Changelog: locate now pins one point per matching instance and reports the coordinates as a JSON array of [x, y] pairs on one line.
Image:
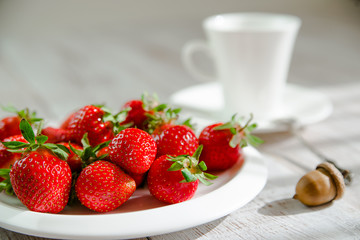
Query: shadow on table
[[288, 206]]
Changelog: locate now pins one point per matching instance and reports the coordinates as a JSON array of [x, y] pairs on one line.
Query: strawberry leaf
[[253, 140], [210, 176], [197, 152], [85, 141], [176, 166], [6, 184], [188, 176], [251, 127], [76, 151], [27, 131], [10, 109], [58, 150], [89, 154], [41, 139], [62, 147], [203, 180], [191, 168], [24, 113], [101, 146], [60, 153], [160, 107], [202, 166], [102, 156], [15, 145], [188, 123], [4, 172], [227, 125]]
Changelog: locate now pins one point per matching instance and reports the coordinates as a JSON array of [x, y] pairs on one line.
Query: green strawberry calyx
[[162, 115], [241, 134], [35, 142], [115, 119], [6, 184], [89, 154], [23, 113], [150, 103], [191, 168]]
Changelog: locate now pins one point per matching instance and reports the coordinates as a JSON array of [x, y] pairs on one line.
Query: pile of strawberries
[[100, 158]]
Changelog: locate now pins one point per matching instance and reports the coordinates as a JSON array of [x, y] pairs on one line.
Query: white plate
[[204, 102], [142, 215]]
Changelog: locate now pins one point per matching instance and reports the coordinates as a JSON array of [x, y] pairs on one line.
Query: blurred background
[[56, 56]]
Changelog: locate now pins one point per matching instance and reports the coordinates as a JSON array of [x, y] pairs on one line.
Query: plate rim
[[254, 160]]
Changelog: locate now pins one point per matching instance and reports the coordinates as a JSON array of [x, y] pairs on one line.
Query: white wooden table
[[58, 69]]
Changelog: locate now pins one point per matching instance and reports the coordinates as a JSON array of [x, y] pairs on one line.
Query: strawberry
[[103, 153], [139, 178], [175, 140], [140, 110], [81, 157], [39, 179], [87, 154], [9, 126], [102, 186], [56, 135], [89, 119], [176, 179], [223, 143], [7, 159], [136, 115], [148, 113], [74, 161], [133, 149]]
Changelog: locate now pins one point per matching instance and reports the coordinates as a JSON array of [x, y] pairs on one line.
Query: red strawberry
[[41, 181], [104, 152], [138, 178], [102, 186], [89, 119], [147, 113], [133, 149], [176, 179], [73, 159], [175, 140], [8, 158], [223, 144], [9, 126], [136, 114], [56, 135]]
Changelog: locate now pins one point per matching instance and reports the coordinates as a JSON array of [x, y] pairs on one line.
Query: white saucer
[[203, 103]]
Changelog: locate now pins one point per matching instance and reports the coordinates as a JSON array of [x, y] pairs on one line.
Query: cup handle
[[188, 51]]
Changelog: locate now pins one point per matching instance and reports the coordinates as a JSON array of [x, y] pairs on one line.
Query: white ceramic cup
[[251, 54]]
